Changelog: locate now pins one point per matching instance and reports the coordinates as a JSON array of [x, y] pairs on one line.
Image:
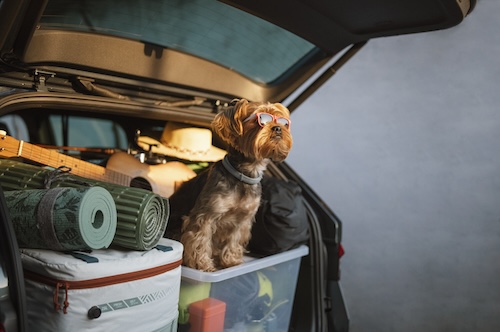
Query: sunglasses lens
[[265, 118], [283, 121]]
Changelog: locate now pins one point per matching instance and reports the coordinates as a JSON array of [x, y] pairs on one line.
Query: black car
[[89, 78]]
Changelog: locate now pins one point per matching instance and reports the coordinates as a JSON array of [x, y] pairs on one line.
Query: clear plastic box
[[258, 293]]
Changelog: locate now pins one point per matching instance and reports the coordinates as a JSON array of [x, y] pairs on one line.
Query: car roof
[[259, 50]]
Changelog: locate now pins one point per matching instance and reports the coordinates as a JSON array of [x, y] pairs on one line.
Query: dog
[[213, 213]]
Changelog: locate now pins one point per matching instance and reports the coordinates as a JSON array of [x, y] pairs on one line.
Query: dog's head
[[258, 130]]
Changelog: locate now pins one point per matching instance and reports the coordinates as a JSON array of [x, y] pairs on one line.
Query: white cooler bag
[[104, 290]]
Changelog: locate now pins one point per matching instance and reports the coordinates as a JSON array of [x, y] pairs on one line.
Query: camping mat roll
[[62, 219], [142, 215]]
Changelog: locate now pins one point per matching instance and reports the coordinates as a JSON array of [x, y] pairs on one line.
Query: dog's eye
[[265, 118], [283, 121]]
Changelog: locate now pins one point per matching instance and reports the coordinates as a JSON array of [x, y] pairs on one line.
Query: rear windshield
[[205, 28]]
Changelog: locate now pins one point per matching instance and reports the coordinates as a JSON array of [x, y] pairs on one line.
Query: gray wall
[[403, 144]]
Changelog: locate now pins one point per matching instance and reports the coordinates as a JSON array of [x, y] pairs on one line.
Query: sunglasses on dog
[[265, 118]]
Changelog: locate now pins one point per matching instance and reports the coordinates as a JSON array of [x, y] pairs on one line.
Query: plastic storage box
[[258, 294]]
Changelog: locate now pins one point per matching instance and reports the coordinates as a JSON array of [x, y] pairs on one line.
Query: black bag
[[281, 221]]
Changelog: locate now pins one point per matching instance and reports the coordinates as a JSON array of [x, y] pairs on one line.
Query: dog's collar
[[240, 176]]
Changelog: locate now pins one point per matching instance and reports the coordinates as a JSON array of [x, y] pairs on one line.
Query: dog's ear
[[228, 123]]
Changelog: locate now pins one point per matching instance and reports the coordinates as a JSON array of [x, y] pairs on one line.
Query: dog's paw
[[205, 264], [230, 260]]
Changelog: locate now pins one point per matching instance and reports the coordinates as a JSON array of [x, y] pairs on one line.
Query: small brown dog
[[218, 206]]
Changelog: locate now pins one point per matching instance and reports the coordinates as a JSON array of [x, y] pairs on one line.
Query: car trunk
[[58, 67]]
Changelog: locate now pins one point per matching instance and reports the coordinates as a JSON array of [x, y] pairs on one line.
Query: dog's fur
[[215, 208]]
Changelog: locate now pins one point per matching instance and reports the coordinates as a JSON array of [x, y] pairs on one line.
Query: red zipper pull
[[66, 303], [57, 306]]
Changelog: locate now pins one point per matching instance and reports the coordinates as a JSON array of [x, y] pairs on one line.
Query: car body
[[117, 68]]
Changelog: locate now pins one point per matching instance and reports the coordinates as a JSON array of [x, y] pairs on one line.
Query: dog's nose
[[277, 130]]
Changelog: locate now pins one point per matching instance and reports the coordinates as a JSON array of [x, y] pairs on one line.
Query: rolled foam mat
[[142, 215], [63, 219]]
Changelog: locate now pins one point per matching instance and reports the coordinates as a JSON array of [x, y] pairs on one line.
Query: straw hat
[[183, 142]]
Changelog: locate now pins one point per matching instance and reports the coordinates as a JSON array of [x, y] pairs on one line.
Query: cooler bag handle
[[84, 257]]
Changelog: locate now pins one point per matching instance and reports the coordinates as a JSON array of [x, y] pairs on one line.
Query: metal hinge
[[328, 304], [40, 79]]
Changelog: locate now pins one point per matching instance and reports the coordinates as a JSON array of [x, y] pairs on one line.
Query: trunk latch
[[41, 78]]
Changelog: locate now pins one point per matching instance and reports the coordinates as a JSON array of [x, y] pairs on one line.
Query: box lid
[[251, 264]]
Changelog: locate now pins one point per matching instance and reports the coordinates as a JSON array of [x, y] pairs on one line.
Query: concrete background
[[403, 145]]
